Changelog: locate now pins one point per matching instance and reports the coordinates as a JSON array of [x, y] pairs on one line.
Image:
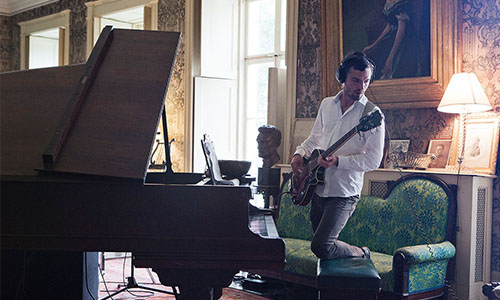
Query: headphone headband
[[351, 60]]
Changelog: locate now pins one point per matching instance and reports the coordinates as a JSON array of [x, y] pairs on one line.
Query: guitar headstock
[[370, 121]]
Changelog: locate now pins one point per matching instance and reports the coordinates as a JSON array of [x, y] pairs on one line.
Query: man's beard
[[354, 96]]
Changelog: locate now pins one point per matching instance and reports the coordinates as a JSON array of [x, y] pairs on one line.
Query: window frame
[[99, 8], [57, 20], [246, 60]]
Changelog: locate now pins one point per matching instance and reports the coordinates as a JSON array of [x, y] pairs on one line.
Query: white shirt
[[360, 154]]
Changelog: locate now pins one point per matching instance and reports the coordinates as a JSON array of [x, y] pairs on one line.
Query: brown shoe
[[366, 252]]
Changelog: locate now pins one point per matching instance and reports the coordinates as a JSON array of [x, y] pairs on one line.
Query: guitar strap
[[368, 108]]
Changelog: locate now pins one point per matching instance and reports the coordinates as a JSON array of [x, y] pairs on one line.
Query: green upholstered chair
[[410, 233]]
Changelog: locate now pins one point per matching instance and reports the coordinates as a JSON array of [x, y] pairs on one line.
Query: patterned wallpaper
[[481, 54], [171, 15], [308, 59], [170, 18]]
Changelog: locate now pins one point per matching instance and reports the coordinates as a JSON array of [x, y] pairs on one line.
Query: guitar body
[[302, 186]]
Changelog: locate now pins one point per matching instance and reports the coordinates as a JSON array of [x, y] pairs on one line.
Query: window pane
[[256, 109], [283, 26], [260, 26], [282, 62], [256, 89], [44, 48], [252, 154], [132, 18]]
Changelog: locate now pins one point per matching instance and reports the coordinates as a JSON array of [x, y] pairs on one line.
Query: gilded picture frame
[[481, 143], [417, 92]]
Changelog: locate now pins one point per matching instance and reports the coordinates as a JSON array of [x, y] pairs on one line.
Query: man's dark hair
[[359, 61]]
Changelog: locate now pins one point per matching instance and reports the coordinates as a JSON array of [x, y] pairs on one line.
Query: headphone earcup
[[340, 74]]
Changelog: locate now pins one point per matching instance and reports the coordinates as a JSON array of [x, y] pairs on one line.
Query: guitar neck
[[314, 163], [340, 142]]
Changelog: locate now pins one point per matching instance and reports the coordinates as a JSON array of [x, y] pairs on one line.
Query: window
[[256, 30], [126, 14], [45, 41], [265, 28]]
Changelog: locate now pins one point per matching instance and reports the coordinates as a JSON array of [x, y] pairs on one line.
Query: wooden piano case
[[75, 147]]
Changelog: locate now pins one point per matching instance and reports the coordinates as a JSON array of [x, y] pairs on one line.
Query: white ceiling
[[12, 7], [132, 15]]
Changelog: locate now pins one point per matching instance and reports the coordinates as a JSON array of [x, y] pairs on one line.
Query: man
[[335, 200], [268, 141]]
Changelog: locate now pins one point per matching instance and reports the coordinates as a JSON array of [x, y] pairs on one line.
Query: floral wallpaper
[[170, 17], [480, 54], [308, 59]]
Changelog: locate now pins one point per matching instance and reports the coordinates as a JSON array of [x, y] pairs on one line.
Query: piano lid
[[105, 125]]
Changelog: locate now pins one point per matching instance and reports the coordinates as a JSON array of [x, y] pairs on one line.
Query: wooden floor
[[117, 269]]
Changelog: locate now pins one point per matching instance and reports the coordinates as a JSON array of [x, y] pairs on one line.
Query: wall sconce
[[464, 95]]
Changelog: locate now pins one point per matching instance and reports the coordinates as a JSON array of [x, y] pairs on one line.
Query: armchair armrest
[[425, 253], [421, 268]]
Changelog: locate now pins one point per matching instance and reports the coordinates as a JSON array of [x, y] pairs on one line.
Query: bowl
[[234, 168]]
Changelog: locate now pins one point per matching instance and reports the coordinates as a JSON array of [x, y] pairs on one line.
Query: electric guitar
[[302, 185]]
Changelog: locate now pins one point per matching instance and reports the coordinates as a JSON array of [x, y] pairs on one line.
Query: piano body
[[75, 147]]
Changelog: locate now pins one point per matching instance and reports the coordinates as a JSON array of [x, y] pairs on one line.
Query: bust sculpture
[[268, 140]]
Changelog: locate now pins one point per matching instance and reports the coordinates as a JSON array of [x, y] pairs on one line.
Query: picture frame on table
[[480, 146], [395, 150], [441, 149], [399, 146]]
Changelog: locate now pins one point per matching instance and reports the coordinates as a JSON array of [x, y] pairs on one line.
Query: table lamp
[[464, 95]]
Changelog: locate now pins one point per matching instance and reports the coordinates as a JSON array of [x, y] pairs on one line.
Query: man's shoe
[[366, 252]]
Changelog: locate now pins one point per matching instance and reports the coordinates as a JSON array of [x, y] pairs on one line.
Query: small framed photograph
[[399, 146], [441, 149], [481, 143]]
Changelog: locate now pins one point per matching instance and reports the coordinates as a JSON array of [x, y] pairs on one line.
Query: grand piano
[[75, 146]]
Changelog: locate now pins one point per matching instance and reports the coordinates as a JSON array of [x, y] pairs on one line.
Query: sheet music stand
[[213, 162]]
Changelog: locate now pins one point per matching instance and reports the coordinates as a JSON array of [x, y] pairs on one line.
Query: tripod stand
[[132, 284]]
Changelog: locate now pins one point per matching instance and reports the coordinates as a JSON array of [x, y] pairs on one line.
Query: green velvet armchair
[[410, 232]]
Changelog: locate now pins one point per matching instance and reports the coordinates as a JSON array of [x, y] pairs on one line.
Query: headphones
[[356, 59]]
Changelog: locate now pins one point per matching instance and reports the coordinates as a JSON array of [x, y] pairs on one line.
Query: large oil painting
[[414, 44], [395, 34]]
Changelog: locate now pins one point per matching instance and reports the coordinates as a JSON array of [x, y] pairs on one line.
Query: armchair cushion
[[414, 213], [426, 265], [299, 257], [425, 253]]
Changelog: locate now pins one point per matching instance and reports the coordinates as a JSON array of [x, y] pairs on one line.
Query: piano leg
[[196, 284]]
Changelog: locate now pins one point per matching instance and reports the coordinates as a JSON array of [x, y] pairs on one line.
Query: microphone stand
[[132, 284]]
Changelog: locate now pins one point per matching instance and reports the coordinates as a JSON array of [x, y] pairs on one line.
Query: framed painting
[[481, 144], [441, 150], [434, 25], [399, 146], [396, 153]]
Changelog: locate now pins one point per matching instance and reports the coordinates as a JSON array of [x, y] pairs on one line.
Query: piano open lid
[[107, 126]]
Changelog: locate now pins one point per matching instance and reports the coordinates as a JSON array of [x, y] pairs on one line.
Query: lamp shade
[[464, 94]]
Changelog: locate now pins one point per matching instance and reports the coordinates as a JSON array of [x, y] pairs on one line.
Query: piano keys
[[75, 147]]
